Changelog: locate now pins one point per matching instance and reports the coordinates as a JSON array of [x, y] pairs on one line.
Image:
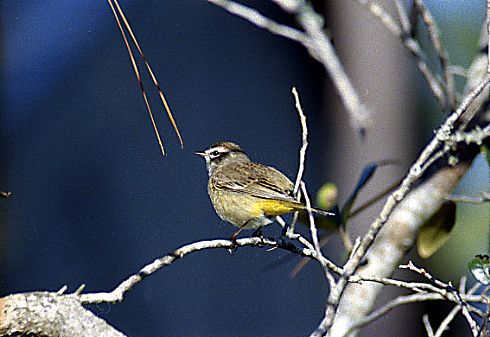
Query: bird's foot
[[234, 245]]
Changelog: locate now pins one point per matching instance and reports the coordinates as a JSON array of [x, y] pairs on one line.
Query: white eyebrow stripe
[[220, 149]]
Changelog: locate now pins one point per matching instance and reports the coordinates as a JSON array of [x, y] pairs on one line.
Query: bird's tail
[[317, 211]]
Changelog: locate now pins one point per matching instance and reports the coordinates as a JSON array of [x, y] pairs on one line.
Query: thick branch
[[50, 314]]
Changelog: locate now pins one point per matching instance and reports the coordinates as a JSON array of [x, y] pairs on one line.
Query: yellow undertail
[[275, 207]]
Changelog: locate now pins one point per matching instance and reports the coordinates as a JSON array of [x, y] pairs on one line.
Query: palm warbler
[[247, 194]]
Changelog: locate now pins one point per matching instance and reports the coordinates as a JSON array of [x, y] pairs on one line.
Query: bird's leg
[[235, 233], [234, 236]]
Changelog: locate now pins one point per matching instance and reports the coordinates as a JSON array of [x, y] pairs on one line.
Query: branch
[[471, 200], [440, 51], [450, 288], [315, 41], [262, 21], [117, 295], [50, 314], [405, 34], [423, 292], [403, 215], [452, 314], [304, 138]]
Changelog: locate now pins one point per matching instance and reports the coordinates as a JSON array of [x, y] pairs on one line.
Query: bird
[[247, 194]]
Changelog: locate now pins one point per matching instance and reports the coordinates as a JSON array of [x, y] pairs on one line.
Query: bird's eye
[[215, 153]]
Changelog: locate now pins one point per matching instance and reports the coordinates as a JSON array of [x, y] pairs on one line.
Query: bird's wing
[[255, 179]]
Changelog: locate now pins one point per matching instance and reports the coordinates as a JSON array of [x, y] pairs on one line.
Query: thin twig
[[412, 45], [302, 157], [62, 290], [471, 200], [314, 237], [424, 292], [313, 230], [262, 21], [428, 327], [415, 172], [476, 135], [304, 141], [440, 51], [452, 314], [403, 17], [393, 304], [315, 41], [382, 15], [450, 288]]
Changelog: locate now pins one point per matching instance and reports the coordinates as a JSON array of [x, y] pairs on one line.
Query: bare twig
[[304, 139], [80, 289], [382, 15], [423, 292], [304, 261], [315, 41], [454, 311], [62, 290], [440, 51], [312, 23], [415, 172], [117, 295], [405, 35], [262, 21], [314, 237], [450, 288], [302, 158], [393, 304], [476, 135], [428, 327], [471, 200], [403, 17]]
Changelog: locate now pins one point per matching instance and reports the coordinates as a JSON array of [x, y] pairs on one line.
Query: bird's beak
[[202, 154]]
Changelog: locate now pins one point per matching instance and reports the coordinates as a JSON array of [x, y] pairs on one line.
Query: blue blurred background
[[92, 198]]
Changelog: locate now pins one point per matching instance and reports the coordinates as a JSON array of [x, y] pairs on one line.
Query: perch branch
[[117, 295]]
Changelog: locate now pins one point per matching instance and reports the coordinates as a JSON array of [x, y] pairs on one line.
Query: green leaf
[[479, 267], [435, 231]]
